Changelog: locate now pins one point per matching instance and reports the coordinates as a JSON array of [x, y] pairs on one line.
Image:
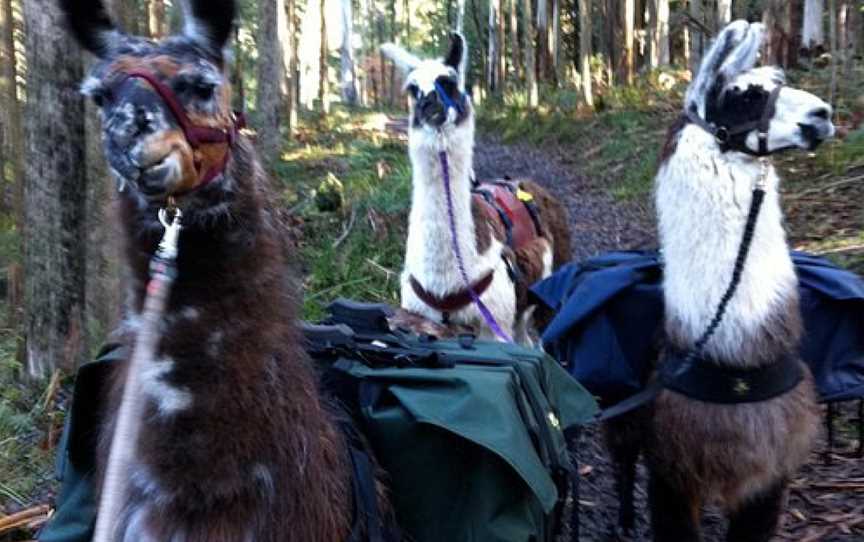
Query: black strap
[[724, 134]]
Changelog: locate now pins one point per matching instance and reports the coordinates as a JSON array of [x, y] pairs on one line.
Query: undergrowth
[[348, 179]]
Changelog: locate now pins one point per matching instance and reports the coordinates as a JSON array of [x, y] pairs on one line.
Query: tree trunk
[[346, 64], [323, 81], [585, 50], [460, 16], [659, 33], [832, 37], [126, 15], [556, 41], [55, 192], [724, 13], [628, 15], [293, 72], [813, 34], [530, 67], [698, 39], [794, 21], [269, 98], [501, 45], [11, 135], [158, 20], [776, 42], [515, 52], [543, 64], [492, 49]]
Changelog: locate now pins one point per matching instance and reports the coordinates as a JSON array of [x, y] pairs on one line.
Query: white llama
[[442, 119], [722, 450]]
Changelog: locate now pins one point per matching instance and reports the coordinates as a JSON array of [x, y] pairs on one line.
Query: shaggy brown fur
[[257, 455]]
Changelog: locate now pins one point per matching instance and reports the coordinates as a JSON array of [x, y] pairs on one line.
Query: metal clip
[[762, 181], [168, 245]]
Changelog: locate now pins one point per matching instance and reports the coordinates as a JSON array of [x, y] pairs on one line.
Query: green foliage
[[25, 467], [355, 251]]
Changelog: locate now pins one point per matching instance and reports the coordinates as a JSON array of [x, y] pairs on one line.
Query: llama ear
[[457, 56], [735, 51], [209, 23], [402, 58], [90, 24]]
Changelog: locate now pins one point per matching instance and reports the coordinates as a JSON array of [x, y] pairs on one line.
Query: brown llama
[[236, 444], [733, 429], [500, 267]]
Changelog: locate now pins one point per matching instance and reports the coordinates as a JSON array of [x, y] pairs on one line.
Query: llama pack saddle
[[505, 202]]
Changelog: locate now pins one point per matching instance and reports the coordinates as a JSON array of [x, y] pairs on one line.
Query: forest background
[[570, 90]]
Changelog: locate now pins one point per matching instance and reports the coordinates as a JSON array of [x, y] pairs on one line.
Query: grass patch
[[349, 180]]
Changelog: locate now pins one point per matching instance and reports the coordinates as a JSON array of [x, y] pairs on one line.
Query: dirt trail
[[826, 502]]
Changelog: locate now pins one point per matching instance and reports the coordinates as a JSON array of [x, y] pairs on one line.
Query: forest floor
[[345, 182]]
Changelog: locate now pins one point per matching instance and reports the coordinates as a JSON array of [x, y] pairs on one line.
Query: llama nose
[[143, 119]]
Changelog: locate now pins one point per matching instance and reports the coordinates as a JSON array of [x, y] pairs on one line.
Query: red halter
[[195, 135]]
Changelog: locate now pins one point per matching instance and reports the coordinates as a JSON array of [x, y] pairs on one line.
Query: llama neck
[[429, 253], [229, 342], [703, 198]]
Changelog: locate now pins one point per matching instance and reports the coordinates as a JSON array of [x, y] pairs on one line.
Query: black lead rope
[[667, 375]]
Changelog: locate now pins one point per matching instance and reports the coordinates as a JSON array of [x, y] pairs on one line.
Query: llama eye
[[448, 85], [204, 91], [99, 97]]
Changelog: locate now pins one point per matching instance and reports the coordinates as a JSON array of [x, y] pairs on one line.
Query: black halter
[[724, 134]]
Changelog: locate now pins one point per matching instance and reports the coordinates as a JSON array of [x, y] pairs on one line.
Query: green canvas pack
[[470, 433]]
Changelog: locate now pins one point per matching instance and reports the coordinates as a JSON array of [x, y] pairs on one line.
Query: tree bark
[[502, 45], [460, 16], [543, 64], [629, 17], [813, 34], [293, 73], [776, 42], [530, 67], [832, 37], [346, 64], [158, 20], [556, 41], [492, 49], [11, 135], [55, 192], [659, 37], [698, 39], [269, 97], [724, 13], [585, 50], [515, 52], [323, 69]]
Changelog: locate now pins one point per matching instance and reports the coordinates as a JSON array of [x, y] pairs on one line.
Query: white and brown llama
[[236, 444], [499, 270], [738, 455]]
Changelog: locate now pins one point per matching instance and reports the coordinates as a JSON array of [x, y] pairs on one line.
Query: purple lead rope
[[454, 238]]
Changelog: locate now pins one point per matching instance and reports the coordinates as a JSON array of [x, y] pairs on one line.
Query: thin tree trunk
[[460, 16], [832, 36], [542, 39], [585, 50], [659, 33], [813, 34], [629, 15], [775, 42], [323, 81], [793, 21], [556, 41], [501, 45], [492, 59], [55, 192], [158, 21], [10, 113], [269, 98], [530, 67], [697, 37], [853, 33], [394, 37], [293, 74], [349, 87], [724, 13], [515, 52]]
